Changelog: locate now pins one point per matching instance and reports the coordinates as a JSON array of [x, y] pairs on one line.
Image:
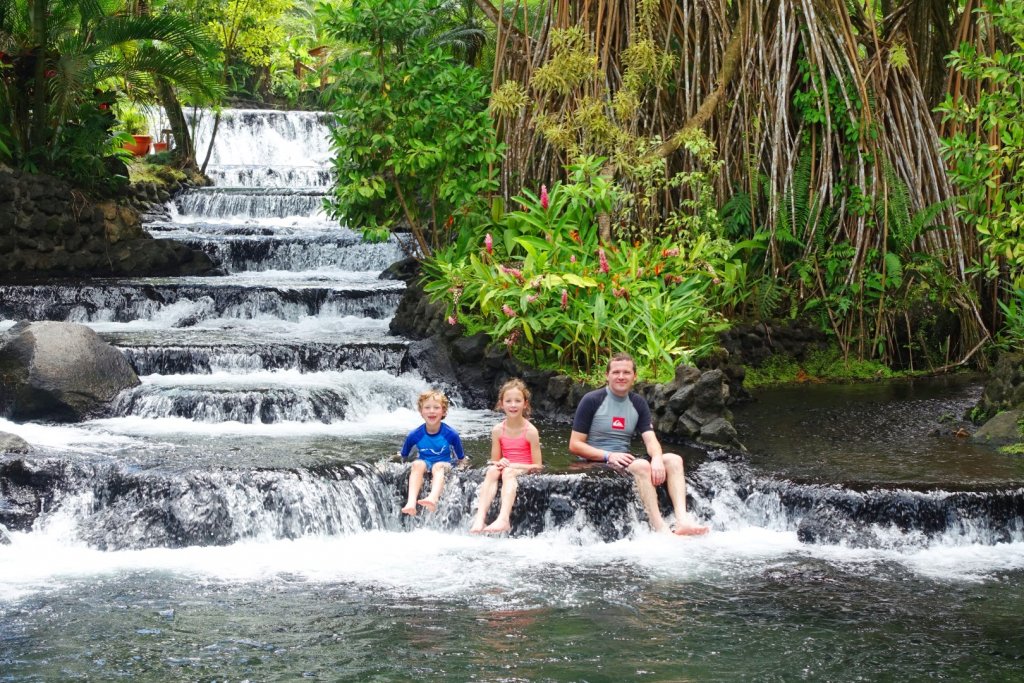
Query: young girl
[[515, 449], [435, 443]]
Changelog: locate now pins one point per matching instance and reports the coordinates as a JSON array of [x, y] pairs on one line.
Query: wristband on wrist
[[606, 457]]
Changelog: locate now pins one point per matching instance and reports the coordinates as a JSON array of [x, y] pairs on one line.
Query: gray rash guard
[[609, 421]]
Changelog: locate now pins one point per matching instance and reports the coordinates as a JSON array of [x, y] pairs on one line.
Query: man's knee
[[673, 462], [640, 468]]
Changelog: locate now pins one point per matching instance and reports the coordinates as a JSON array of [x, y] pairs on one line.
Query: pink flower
[[544, 197], [517, 274], [507, 310], [572, 258], [565, 299], [512, 338], [603, 260], [530, 299], [621, 292], [674, 251], [489, 243], [452, 320]]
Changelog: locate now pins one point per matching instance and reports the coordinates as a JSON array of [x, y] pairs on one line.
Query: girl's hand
[[503, 463]]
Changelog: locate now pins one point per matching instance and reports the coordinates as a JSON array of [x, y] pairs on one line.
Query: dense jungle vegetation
[[587, 175]]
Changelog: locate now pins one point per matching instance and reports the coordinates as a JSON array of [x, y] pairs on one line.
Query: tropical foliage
[[61, 60], [985, 141], [412, 137], [540, 279]]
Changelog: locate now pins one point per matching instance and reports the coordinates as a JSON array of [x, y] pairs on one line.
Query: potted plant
[[134, 123]]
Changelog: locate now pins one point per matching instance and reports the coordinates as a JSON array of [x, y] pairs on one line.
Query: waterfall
[[271, 396]]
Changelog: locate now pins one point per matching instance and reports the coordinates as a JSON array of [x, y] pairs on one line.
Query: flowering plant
[[539, 279]]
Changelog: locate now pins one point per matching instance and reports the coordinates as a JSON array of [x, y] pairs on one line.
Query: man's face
[[621, 377]]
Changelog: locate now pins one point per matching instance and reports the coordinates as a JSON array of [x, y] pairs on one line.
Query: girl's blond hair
[[515, 383], [433, 395]]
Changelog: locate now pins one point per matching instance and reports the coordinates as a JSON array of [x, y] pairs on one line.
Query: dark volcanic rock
[[58, 371]]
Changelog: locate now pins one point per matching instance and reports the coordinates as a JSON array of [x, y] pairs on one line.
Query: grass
[[819, 366]]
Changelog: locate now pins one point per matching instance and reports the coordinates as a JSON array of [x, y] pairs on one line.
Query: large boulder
[[12, 443], [61, 372]]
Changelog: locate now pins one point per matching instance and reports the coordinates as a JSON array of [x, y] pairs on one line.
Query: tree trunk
[[184, 147], [40, 110]]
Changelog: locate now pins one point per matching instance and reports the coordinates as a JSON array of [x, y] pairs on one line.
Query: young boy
[[435, 442]]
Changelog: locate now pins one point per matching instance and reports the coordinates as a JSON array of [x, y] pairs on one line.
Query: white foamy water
[[424, 563]]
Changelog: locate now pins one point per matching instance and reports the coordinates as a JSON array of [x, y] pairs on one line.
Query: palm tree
[[59, 54]]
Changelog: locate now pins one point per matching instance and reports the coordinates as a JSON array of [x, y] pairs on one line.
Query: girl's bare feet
[[409, 510], [427, 503], [497, 527]]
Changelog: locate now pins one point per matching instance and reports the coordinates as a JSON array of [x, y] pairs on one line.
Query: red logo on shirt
[[619, 423]]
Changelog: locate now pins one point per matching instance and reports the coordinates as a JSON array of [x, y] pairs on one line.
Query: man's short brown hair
[[621, 355]]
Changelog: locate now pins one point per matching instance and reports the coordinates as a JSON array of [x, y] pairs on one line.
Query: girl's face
[[513, 402], [432, 412]]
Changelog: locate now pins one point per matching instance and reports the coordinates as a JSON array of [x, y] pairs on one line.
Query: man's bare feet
[[427, 503], [497, 527], [409, 510]]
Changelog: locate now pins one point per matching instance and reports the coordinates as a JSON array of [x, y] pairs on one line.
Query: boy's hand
[[397, 457]]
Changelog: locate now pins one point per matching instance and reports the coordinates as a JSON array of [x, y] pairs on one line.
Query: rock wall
[[47, 229]]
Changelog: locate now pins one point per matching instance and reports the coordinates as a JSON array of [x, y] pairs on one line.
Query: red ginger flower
[[603, 260], [489, 243], [544, 197]]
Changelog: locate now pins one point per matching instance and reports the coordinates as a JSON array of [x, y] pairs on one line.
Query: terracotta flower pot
[[141, 145], [159, 147]]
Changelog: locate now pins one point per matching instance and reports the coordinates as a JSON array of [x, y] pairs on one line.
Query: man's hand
[[657, 470], [620, 460]]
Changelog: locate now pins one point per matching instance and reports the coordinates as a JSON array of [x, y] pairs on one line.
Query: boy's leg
[[641, 471], [437, 473], [509, 487], [675, 481], [416, 472], [487, 490]]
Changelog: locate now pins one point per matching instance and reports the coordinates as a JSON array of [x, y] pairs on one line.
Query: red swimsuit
[[515, 449]]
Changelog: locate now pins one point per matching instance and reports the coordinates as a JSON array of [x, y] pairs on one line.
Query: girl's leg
[[487, 490], [437, 473], [509, 487], [416, 472]]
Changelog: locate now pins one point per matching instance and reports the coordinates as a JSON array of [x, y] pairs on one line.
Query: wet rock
[[27, 487], [12, 443], [58, 371], [5, 539], [1001, 430]]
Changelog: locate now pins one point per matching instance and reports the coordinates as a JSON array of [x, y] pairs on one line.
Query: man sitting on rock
[[606, 420]]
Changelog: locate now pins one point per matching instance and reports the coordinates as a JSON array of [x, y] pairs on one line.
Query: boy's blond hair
[[435, 395]]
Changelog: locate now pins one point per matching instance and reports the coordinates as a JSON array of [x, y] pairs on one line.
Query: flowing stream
[[236, 517]]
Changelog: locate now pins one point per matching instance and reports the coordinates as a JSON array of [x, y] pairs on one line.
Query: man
[[604, 425]]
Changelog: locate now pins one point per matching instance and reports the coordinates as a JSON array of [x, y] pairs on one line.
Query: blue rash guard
[[433, 448], [610, 421]]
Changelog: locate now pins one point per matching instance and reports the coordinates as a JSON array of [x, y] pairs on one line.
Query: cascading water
[[237, 516]]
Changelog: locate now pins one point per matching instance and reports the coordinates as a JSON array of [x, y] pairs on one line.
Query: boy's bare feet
[[427, 503], [497, 527], [409, 510]]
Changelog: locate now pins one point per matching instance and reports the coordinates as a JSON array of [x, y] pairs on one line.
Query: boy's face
[[432, 412]]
